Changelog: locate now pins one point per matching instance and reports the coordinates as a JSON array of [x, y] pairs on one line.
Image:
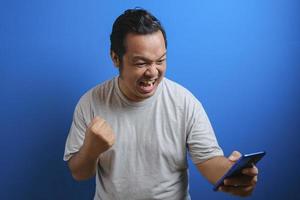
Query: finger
[[235, 155], [97, 125], [110, 139], [253, 171], [108, 132], [239, 191], [94, 121], [241, 181]]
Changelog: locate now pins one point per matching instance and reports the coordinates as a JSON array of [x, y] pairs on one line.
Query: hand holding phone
[[245, 161]]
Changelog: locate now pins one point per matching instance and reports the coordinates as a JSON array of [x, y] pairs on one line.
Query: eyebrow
[[143, 58]]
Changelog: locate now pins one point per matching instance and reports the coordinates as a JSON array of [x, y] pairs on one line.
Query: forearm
[[99, 137], [214, 168], [83, 164]]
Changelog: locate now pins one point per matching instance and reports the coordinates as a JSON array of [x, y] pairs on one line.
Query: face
[[143, 65]]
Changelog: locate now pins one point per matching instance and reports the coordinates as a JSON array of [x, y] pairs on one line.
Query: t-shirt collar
[[139, 103]]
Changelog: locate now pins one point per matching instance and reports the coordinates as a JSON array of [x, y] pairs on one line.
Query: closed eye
[[141, 64], [160, 62]]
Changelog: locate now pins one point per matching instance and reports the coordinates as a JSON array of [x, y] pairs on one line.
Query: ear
[[115, 59]]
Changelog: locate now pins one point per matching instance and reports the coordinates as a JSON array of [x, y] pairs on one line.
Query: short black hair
[[137, 21]]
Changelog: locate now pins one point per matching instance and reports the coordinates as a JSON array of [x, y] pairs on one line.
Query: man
[[134, 131]]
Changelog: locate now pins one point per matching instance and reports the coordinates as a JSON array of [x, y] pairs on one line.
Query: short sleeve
[[76, 134], [201, 139]]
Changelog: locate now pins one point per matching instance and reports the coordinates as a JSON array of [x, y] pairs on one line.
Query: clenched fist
[[99, 136]]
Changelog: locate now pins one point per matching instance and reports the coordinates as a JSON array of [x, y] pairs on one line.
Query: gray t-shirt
[[149, 157]]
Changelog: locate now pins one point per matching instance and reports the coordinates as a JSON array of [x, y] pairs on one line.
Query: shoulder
[[97, 94], [176, 96], [177, 91]]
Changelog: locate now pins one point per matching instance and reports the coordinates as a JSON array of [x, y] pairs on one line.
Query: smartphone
[[245, 161]]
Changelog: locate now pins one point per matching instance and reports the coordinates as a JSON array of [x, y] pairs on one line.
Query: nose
[[151, 71]]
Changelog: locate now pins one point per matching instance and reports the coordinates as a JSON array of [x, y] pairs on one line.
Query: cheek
[[135, 75], [162, 69]]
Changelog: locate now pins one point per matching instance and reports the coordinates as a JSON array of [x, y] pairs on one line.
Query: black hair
[[137, 21]]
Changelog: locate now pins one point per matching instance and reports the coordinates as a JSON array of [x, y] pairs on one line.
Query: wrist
[[89, 152]]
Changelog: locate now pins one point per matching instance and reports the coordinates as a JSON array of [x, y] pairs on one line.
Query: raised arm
[[99, 137]]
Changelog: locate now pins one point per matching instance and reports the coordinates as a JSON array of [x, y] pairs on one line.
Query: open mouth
[[147, 86]]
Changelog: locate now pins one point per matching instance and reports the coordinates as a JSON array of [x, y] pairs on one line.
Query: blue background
[[240, 58]]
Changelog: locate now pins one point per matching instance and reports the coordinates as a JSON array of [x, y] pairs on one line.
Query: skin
[[145, 59], [99, 137], [213, 169]]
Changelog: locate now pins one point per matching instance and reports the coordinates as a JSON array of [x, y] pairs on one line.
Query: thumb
[[235, 155]]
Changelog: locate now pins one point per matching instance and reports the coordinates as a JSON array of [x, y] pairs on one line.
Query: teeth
[[148, 82]]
